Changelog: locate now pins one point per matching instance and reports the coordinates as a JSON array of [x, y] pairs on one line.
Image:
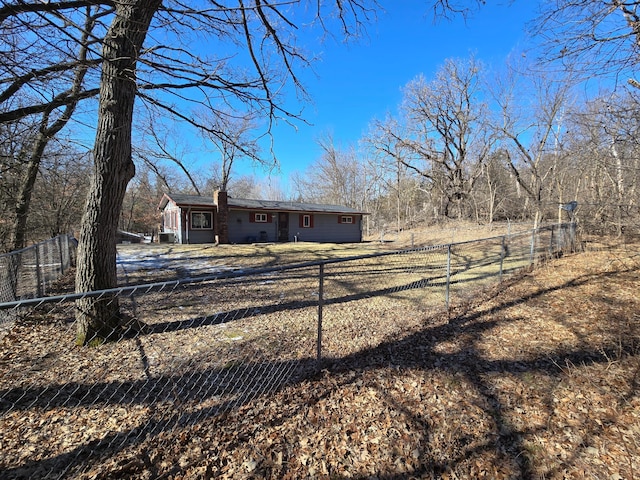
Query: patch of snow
[[133, 260]]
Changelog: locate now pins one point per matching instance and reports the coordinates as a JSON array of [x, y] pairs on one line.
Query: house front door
[[283, 227]]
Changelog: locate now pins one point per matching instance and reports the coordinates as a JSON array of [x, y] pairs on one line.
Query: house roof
[[275, 205], [186, 200], [249, 204]]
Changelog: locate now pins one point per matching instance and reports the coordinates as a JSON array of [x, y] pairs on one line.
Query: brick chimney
[[221, 217]]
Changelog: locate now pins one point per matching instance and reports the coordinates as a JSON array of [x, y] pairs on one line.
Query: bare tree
[[333, 178], [100, 319], [52, 117], [448, 8], [164, 146], [494, 194], [140, 207], [448, 129], [56, 197], [374, 189], [16, 139], [244, 186], [389, 149], [622, 130], [529, 123], [605, 152], [48, 58], [59, 194], [136, 65], [596, 37], [233, 138]]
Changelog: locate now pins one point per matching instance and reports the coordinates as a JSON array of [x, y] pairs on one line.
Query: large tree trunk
[[99, 319]]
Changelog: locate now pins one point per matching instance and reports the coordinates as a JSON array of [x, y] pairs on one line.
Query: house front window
[[346, 219], [201, 220], [261, 218]]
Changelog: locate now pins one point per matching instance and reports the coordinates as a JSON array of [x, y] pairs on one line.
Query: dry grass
[[157, 262], [446, 232], [537, 379], [534, 378], [206, 259]]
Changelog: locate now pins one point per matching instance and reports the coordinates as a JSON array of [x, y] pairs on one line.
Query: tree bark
[[23, 202], [99, 319]]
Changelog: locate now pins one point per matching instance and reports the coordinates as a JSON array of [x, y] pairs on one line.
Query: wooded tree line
[[512, 147], [120, 76], [497, 167]]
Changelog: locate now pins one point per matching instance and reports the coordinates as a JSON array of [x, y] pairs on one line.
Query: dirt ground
[[537, 377]]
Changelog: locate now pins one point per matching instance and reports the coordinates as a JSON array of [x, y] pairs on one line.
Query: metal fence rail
[[194, 348], [32, 271]]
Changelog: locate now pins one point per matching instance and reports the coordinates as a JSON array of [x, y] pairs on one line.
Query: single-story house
[[224, 219]]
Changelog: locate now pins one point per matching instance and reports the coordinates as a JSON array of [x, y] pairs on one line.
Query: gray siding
[[198, 236], [242, 230], [325, 228]]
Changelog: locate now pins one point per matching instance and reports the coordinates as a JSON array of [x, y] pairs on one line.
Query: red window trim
[[301, 220], [252, 217]]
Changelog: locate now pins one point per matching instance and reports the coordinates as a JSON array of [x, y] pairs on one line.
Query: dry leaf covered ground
[[535, 378]]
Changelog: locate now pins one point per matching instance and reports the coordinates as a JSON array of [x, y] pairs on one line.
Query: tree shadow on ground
[[202, 395], [350, 288]]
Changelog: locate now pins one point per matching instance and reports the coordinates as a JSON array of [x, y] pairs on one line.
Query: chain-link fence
[[32, 271], [192, 349]]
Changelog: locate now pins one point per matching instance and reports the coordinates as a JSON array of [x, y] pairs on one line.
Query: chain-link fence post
[[38, 273], [320, 305], [502, 255], [446, 299], [532, 251], [50, 267], [61, 255], [572, 236]]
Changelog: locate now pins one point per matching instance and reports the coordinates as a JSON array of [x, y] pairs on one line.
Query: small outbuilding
[[224, 219]]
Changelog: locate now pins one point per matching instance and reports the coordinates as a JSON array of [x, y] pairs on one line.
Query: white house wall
[[181, 216], [176, 225]]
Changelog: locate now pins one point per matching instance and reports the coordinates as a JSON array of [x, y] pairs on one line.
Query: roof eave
[[292, 210]]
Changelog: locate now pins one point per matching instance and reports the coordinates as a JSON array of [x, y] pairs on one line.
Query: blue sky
[[357, 82]]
